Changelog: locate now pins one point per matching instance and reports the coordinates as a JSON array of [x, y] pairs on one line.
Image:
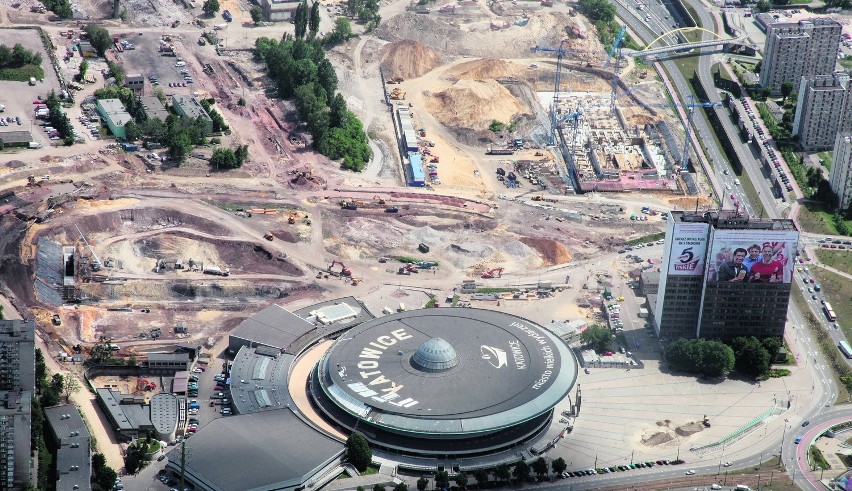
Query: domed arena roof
[[435, 355]]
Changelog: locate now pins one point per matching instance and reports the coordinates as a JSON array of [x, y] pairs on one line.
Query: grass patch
[[456, 298], [791, 360], [694, 14], [826, 159], [817, 459], [433, 300], [846, 62], [343, 475], [815, 218], [22, 74], [647, 238], [494, 290], [751, 193], [778, 372], [370, 470], [841, 260]]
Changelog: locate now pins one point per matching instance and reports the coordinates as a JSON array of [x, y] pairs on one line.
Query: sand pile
[[473, 104], [551, 252], [484, 69], [408, 59]]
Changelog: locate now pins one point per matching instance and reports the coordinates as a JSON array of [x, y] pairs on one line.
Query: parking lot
[[146, 59], [19, 95]]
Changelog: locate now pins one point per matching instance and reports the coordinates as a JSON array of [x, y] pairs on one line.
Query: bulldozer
[[397, 94]]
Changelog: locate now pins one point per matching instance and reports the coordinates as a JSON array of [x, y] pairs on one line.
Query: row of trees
[[225, 158], [219, 124], [701, 356], [17, 56], [49, 392], [748, 355], [58, 119], [358, 454], [307, 22], [301, 71], [102, 474]]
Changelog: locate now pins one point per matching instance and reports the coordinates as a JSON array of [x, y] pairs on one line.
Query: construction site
[[461, 102]]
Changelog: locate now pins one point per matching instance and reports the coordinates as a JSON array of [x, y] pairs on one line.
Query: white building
[[799, 49], [824, 107], [841, 169]]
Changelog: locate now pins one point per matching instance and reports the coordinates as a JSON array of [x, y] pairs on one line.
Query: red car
[[219, 387]]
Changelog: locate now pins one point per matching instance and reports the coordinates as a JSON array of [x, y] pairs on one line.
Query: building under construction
[[603, 153]]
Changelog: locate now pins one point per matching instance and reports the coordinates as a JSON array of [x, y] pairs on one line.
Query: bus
[[845, 349], [829, 312]]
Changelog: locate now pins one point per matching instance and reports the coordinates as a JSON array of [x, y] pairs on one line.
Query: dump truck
[[268, 236], [397, 94]]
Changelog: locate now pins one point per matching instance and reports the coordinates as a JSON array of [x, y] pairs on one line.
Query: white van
[[737, 182]]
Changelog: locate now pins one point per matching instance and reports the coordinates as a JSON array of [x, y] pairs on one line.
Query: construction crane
[[615, 53], [344, 271], [560, 52], [574, 117], [96, 262], [494, 273]]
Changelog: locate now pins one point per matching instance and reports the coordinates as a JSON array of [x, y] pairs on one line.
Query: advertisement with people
[[752, 256], [688, 249]]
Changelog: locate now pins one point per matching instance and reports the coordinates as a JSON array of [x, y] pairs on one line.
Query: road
[[790, 451], [802, 342]]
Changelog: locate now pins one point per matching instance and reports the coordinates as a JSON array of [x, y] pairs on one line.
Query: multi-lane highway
[[647, 24]]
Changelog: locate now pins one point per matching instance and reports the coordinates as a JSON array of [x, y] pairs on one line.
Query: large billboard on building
[[752, 256], [688, 249]]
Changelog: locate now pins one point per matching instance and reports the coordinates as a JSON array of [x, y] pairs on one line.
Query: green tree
[[132, 131], [539, 466], [179, 146], [502, 472], [597, 338], [596, 10], [751, 357], [223, 158], [442, 480], [718, 359], [116, 71], [481, 476], [786, 90], [558, 466], [763, 6], [102, 474], [378, 487], [99, 38], [461, 480], [314, 19], [210, 7], [521, 472], [84, 68], [422, 483], [400, 486], [496, 126], [342, 31], [256, 14], [70, 385], [300, 19], [358, 451]]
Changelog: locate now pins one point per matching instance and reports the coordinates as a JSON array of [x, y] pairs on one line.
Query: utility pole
[[182, 463]]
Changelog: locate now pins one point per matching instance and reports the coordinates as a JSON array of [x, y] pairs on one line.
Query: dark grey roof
[[259, 380], [266, 450], [10, 137], [164, 413], [509, 370], [273, 326], [73, 462], [153, 108], [168, 357], [111, 400]]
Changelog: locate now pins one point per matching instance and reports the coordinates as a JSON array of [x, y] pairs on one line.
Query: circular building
[[448, 382]]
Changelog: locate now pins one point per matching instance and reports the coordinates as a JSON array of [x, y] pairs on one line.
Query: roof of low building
[[273, 326], [9, 137], [253, 451], [72, 457]]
